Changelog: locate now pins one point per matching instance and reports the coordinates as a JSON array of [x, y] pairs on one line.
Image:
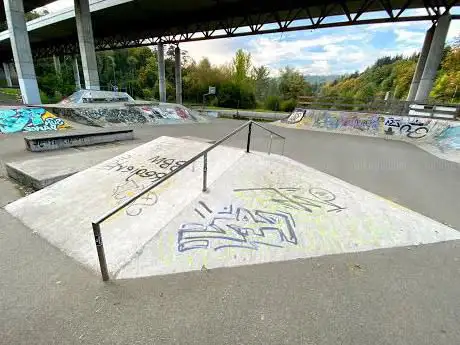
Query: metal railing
[[97, 224]]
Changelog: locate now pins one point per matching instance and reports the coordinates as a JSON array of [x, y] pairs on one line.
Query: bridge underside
[[142, 23]]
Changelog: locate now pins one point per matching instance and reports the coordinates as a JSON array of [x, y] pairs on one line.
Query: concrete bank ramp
[[258, 209], [123, 113], [439, 137], [29, 119]]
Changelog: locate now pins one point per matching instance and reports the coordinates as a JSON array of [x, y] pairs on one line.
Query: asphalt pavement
[[407, 295]]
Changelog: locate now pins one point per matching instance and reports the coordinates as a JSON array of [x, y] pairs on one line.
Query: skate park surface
[[405, 295]]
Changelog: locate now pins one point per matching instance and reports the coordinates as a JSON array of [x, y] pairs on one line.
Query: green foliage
[[273, 103], [292, 84], [240, 84], [394, 74], [288, 105]]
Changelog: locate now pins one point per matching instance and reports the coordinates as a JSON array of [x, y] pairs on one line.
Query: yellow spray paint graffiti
[[14, 120]]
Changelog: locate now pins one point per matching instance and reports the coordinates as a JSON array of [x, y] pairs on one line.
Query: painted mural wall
[[14, 120], [444, 134]]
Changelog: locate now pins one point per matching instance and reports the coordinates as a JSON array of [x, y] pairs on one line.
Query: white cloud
[[219, 51]]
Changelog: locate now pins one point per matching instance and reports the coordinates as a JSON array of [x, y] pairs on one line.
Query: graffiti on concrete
[[153, 169], [449, 139], [29, 120], [293, 198], [126, 190], [296, 116], [271, 224], [102, 115], [351, 121], [238, 227], [412, 128]]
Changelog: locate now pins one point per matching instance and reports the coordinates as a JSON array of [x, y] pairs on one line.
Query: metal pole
[[100, 251], [205, 171], [270, 144], [282, 152], [249, 137]]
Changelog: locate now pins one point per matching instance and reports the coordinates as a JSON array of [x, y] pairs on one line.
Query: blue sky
[[325, 51]]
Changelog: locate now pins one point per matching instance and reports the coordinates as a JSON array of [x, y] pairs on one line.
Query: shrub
[[231, 95], [288, 105], [272, 103]]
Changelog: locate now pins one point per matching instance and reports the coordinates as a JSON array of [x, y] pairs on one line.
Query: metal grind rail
[[97, 224]]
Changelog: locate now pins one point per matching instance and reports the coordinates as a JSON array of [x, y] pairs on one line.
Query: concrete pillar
[[57, 65], [161, 71], [421, 64], [178, 71], [76, 73], [22, 53], [6, 69], [86, 43], [434, 58]]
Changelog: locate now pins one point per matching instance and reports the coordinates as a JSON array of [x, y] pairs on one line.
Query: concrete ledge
[[48, 142], [41, 172]]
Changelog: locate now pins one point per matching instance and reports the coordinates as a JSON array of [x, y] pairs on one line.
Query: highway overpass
[[114, 24]]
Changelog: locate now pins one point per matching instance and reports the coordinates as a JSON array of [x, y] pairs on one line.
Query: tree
[[241, 66], [292, 84], [261, 77]]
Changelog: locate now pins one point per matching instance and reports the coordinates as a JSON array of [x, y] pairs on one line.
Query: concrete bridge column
[[57, 64], [178, 71], [434, 58], [76, 73], [421, 64], [6, 69], [86, 43], [161, 71], [22, 53]]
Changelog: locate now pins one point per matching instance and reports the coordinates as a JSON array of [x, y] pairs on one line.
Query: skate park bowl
[[176, 205]]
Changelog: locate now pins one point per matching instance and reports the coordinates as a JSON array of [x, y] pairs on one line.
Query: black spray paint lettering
[[165, 163]]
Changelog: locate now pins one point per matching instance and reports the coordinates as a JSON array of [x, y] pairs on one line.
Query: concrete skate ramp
[[29, 119], [122, 114], [96, 96], [258, 209], [439, 137]]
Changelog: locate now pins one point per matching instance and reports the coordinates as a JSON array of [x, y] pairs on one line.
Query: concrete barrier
[[440, 137], [72, 139]]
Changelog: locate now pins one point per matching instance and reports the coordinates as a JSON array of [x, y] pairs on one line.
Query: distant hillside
[[321, 79], [395, 74]]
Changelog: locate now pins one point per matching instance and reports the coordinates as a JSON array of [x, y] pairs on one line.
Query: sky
[[337, 50]]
